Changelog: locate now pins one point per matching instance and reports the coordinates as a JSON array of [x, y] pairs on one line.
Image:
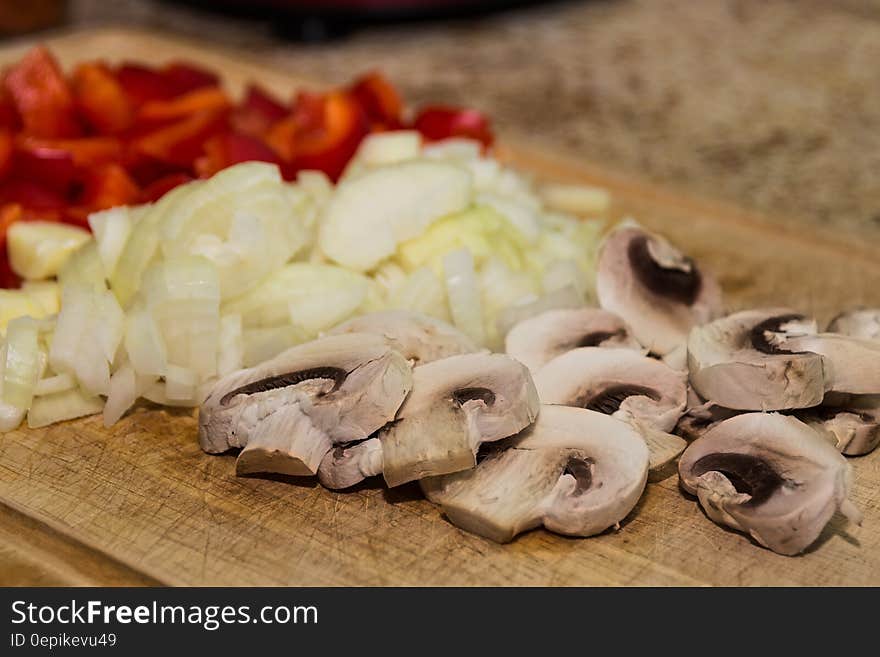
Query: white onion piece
[[61, 406], [183, 296], [463, 294], [122, 394], [521, 216], [22, 362], [53, 384], [261, 344], [144, 344], [10, 417], [83, 268], [180, 384], [421, 291], [111, 229], [230, 355]]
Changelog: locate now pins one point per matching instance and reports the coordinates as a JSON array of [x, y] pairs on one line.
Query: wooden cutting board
[[141, 504]]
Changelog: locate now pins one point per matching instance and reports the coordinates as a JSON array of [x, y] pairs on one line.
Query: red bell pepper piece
[[45, 168], [41, 96], [85, 152], [142, 84], [257, 112], [210, 99], [6, 152], [379, 99], [106, 186], [8, 114], [36, 200], [158, 188], [436, 123], [225, 150], [180, 143], [101, 100], [183, 78]]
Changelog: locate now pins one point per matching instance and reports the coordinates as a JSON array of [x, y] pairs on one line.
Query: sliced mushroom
[[851, 364], [287, 412], [659, 292], [700, 416], [625, 384], [456, 404], [862, 323], [576, 472], [850, 422], [537, 340], [771, 476], [420, 338], [736, 362]]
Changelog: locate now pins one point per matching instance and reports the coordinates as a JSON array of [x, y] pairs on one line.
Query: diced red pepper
[[225, 150], [40, 200], [211, 99], [101, 100], [257, 112], [41, 96], [142, 84], [85, 152], [45, 168], [8, 114], [379, 99], [6, 152], [183, 78], [436, 123], [330, 146], [105, 187], [158, 188], [180, 143]]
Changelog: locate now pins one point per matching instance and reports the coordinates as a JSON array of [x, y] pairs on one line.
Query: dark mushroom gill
[[748, 474], [608, 400], [596, 338], [464, 395], [677, 285], [582, 471], [334, 374], [758, 334]]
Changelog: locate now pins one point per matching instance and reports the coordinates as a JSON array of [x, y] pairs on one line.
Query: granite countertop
[[771, 104]]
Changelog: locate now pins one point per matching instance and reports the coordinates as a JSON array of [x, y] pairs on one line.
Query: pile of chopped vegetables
[[106, 136], [162, 298]]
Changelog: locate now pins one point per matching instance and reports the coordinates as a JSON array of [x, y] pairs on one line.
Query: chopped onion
[[180, 384], [84, 268], [144, 344], [53, 384], [261, 344], [585, 200], [231, 346], [111, 229], [463, 294], [122, 394], [60, 406], [22, 362], [421, 291], [10, 417]]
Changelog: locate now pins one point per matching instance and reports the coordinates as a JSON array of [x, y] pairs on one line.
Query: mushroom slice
[[576, 472], [539, 339], [850, 422], [659, 292], [287, 412], [862, 323], [624, 384], [420, 338], [700, 416], [851, 364], [771, 476], [456, 404], [739, 362]]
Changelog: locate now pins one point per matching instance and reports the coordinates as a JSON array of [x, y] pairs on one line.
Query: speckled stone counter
[[771, 104]]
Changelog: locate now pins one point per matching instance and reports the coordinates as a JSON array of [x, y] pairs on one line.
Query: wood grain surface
[[141, 504]]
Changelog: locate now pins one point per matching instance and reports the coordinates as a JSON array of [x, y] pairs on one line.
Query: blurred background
[[770, 104]]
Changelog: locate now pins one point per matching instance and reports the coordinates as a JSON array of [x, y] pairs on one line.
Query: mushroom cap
[[331, 390], [616, 382], [850, 422], [420, 338], [769, 475], [624, 384], [736, 362], [539, 339], [860, 323], [654, 288], [576, 472], [851, 364], [456, 404]]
